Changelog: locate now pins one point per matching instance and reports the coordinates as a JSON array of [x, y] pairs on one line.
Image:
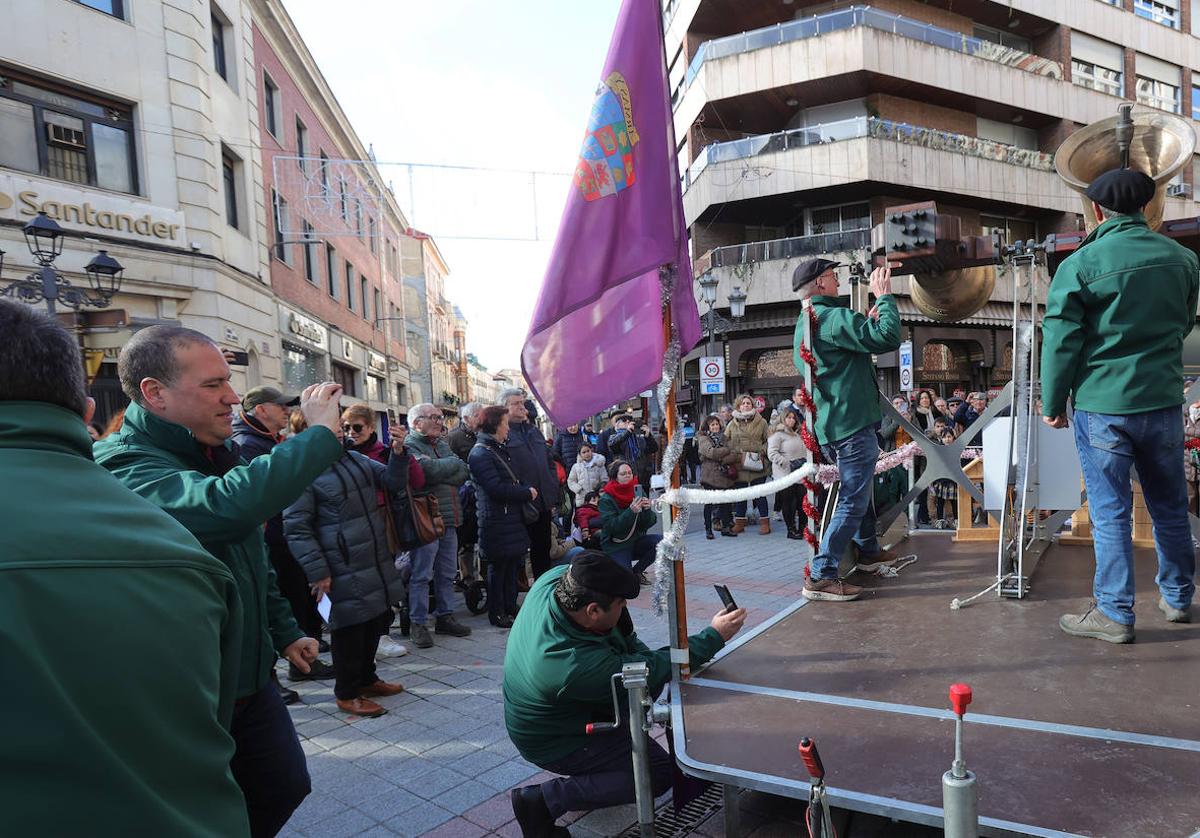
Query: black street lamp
[[44, 238], [714, 323]]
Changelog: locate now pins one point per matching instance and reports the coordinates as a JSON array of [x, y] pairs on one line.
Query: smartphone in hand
[[726, 597]]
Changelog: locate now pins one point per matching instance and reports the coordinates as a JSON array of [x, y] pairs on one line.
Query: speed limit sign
[[906, 366], [712, 374]]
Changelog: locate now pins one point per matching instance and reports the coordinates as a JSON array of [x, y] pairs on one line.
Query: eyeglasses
[[356, 427], [433, 418]]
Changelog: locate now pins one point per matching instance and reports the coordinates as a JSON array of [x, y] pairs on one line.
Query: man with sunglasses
[[438, 560]]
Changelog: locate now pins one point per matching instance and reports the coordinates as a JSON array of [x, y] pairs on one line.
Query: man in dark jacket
[[566, 445], [572, 635], [135, 742], [437, 560], [175, 451], [462, 439], [534, 467], [256, 431], [635, 445], [968, 412], [1117, 314]]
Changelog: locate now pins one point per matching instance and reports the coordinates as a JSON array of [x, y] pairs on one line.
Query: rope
[[684, 495]]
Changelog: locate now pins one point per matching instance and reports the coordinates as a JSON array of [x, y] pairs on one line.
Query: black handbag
[[530, 511]]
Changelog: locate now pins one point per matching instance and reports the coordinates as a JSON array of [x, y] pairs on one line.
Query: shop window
[[347, 377], [300, 367], [66, 134], [116, 8]]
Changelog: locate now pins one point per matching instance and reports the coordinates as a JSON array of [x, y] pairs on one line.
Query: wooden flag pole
[[677, 602]]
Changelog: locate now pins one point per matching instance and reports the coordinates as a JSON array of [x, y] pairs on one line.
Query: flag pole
[[676, 594]]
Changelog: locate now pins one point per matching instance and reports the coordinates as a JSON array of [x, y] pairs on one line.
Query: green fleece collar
[[165, 435], [44, 427], [1115, 224]]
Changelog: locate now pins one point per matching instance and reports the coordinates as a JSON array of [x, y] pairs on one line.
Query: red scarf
[[622, 493]]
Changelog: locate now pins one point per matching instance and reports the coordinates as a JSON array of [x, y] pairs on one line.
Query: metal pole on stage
[[676, 599]]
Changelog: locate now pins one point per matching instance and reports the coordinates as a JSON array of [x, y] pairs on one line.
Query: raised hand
[[319, 404]]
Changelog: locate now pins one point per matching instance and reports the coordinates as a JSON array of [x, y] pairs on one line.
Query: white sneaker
[[389, 648]]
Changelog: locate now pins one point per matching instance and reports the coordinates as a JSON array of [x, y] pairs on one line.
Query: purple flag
[[596, 337]]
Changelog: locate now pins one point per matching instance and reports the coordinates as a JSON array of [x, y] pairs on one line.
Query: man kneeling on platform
[[1117, 314], [572, 635], [848, 414]]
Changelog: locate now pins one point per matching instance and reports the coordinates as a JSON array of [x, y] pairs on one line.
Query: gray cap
[[267, 395]]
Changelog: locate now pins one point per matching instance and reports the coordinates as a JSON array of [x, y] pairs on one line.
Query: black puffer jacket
[[253, 440], [337, 529], [531, 461], [498, 500]]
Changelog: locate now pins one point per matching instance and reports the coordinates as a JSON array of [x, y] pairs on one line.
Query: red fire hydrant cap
[[960, 697]]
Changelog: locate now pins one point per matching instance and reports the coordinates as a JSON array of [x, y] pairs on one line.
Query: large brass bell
[[1162, 144], [953, 295]]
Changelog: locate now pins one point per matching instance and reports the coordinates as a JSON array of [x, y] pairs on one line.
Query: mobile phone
[[726, 597], [239, 359], [638, 491]]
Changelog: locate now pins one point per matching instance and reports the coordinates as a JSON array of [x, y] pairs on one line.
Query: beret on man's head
[[596, 571], [807, 272], [1122, 190]]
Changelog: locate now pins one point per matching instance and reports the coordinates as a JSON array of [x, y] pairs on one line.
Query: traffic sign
[[906, 366], [760, 404], [712, 375]]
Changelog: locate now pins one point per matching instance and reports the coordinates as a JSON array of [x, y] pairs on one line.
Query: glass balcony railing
[[848, 18], [865, 126], [789, 248]]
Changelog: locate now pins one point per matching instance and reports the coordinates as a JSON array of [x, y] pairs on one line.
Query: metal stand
[[960, 800], [634, 677]]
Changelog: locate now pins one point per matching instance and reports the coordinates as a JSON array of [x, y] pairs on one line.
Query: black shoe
[[449, 625], [709, 535], [501, 622], [317, 671], [532, 815], [288, 695], [796, 535], [728, 534]]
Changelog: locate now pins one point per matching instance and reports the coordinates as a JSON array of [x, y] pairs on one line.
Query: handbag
[[427, 518], [730, 470], [415, 520], [530, 512], [752, 461]]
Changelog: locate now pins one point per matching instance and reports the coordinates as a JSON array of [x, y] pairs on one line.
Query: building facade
[[125, 123], [799, 123], [334, 235]]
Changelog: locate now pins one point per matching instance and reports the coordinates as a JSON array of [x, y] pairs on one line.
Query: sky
[[495, 85]]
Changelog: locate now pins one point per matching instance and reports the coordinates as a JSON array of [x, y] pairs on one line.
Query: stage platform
[[1066, 735]]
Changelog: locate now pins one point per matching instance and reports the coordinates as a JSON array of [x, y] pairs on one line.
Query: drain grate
[[669, 824]]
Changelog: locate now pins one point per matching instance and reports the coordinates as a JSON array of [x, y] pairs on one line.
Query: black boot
[[708, 533]]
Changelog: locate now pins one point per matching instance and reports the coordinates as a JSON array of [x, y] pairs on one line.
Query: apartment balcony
[[860, 50], [867, 150]]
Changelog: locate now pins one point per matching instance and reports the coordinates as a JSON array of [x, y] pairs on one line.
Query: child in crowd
[[587, 522], [945, 490]]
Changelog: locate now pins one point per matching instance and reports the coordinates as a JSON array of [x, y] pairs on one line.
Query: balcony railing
[[789, 248], [864, 126], [836, 21]]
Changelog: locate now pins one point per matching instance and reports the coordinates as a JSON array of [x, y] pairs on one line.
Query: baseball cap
[[267, 395]]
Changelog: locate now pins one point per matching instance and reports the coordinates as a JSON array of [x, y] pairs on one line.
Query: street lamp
[[44, 238], [714, 323]]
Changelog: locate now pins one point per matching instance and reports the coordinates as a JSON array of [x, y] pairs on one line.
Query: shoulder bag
[[530, 513]]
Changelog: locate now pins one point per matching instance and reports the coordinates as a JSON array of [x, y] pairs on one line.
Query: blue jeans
[[437, 560], [853, 517], [1153, 443], [639, 553]]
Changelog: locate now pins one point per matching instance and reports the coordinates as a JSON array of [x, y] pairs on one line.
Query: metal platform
[[1068, 736]]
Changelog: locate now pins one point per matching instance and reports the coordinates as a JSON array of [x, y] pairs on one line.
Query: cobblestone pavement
[[440, 763]]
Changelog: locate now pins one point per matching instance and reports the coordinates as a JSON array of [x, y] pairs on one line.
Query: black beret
[[595, 570], [808, 271], [1122, 190]]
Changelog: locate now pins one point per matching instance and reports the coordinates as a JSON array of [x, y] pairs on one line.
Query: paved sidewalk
[[440, 762]]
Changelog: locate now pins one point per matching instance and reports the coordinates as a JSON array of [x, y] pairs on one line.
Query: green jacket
[[1117, 313], [164, 463], [444, 473], [846, 393], [556, 675], [119, 645], [619, 528]]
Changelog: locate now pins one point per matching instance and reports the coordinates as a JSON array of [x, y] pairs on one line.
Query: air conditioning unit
[[1178, 190]]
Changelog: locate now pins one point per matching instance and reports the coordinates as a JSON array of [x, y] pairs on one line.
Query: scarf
[[717, 439], [622, 493], [746, 415]]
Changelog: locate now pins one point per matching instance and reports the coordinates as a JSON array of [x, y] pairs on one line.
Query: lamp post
[[44, 238], [714, 323]]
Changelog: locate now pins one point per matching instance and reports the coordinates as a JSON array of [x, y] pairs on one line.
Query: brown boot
[[764, 526], [360, 707], [739, 525]]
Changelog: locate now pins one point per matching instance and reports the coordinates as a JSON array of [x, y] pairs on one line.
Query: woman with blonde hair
[[746, 434]]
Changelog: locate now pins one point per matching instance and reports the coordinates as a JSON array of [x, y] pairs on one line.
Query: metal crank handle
[[602, 727], [812, 759]]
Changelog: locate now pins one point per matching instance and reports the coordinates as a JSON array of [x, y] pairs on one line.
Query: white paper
[[324, 605]]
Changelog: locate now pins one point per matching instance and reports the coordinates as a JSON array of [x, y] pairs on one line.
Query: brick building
[[799, 122]]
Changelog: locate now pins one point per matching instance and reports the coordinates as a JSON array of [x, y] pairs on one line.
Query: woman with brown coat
[[715, 459], [747, 436]]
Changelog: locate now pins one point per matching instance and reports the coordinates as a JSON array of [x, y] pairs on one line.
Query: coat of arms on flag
[[606, 162]]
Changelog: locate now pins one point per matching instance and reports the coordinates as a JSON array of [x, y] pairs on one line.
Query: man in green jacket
[[847, 401], [126, 732], [174, 451], [572, 635], [437, 560], [1117, 314]]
